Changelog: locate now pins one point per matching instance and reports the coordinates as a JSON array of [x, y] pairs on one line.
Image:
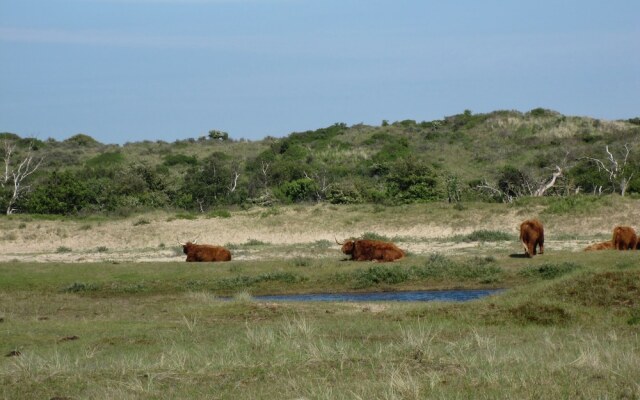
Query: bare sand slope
[[154, 237]]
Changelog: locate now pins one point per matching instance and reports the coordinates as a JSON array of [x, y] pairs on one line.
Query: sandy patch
[[288, 234]]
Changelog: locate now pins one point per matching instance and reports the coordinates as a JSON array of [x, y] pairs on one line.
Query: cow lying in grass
[[608, 245], [205, 252], [371, 250]]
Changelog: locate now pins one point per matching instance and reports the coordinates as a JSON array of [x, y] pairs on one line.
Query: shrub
[[483, 236], [374, 236], [441, 267], [106, 159], [549, 271], [63, 249], [219, 214], [541, 314], [300, 190], [179, 159], [78, 287], [380, 274]]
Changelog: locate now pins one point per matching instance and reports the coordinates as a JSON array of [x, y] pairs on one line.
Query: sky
[[133, 70]]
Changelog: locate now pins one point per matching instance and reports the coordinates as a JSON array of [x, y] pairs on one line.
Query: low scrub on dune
[[484, 235], [605, 289], [436, 268], [549, 270]]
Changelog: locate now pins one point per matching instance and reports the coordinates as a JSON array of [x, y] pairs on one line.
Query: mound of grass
[[245, 281], [79, 287], [219, 214], [380, 274], [441, 267], [106, 159], [484, 235], [437, 268], [540, 314], [574, 205], [549, 270], [255, 242], [374, 236], [604, 289]]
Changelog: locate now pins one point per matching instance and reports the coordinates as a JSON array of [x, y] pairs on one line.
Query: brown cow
[[532, 235], [371, 250], [624, 238], [608, 245], [205, 252]]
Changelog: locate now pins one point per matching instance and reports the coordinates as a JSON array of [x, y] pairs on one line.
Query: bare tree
[[548, 184], [321, 180], [16, 173], [233, 185], [619, 170]]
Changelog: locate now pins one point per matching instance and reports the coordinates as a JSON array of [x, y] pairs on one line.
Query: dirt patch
[[123, 241]]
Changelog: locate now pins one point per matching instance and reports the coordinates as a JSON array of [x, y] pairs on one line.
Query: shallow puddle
[[418, 295]]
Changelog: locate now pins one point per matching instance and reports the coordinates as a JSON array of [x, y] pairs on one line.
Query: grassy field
[[567, 325]]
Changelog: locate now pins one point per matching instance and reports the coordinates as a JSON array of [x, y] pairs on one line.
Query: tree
[[619, 171], [16, 173], [218, 135]]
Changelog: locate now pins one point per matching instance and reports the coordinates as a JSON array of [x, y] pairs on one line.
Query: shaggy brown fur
[[371, 250], [624, 238], [205, 252], [532, 235], [608, 245]]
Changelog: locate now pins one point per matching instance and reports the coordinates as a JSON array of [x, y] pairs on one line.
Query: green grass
[[567, 327]]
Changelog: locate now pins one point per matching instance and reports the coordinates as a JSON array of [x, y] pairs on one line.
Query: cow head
[[347, 246], [188, 245]]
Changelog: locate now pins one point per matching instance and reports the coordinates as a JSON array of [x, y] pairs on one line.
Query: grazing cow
[[205, 252], [624, 238], [608, 245], [371, 250], [532, 235]]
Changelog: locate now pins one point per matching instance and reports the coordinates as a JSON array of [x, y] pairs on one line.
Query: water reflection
[[418, 295]]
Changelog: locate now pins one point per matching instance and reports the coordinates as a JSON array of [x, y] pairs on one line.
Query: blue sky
[[133, 70]]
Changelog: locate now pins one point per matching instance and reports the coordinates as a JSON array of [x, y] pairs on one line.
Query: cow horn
[[179, 242], [338, 242], [194, 241]]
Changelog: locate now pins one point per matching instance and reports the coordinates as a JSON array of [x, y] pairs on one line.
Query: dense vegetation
[[499, 156]]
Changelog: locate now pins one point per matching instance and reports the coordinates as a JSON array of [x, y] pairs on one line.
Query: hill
[[497, 157]]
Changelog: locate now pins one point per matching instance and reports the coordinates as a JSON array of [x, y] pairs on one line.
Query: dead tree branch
[[14, 177]]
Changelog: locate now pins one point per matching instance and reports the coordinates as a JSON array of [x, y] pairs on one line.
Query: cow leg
[[541, 247]]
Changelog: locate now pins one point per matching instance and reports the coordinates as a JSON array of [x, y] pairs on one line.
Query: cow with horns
[[204, 252], [371, 250]]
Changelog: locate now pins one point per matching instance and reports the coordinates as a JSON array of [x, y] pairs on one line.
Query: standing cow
[[204, 252], [371, 250], [532, 235], [624, 238]]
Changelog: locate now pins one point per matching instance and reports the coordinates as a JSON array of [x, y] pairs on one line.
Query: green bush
[[79, 287], [106, 159], [219, 214], [380, 274], [179, 159], [549, 271], [441, 267], [484, 236], [300, 190]]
